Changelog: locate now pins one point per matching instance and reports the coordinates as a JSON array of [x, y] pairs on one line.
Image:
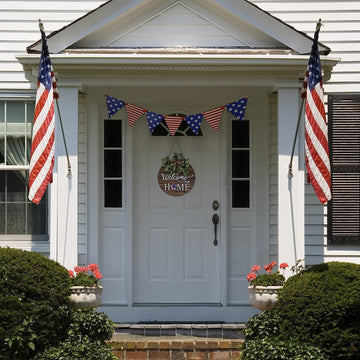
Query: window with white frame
[[19, 218]]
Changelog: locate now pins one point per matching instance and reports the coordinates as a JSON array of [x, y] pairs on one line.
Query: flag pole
[[290, 173], [41, 27]]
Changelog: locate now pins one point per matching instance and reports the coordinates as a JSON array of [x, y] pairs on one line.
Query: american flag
[[316, 130], [43, 137]]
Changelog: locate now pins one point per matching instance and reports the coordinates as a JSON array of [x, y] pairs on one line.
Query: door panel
[[175, 260]]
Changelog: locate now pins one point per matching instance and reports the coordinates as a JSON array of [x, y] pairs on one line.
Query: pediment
[[178, 24]]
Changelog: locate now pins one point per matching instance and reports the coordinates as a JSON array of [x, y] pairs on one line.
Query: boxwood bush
[[321, 305], [34, 312], [85, 339], [263, 341]]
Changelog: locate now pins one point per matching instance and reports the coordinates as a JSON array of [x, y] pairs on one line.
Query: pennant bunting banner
[[213, 116], [113, 105], [194, 121], [237, 108], [173, 123], [154, 120], [134, 112]]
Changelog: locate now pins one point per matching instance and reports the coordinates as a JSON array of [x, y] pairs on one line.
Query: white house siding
[[19, 29], [341, 32]]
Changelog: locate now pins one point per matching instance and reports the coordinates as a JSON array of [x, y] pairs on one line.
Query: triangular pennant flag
[[213, 117], [113, 105], [154, 120], [237, 108], [134, 112], [173, 123], [194, 121]]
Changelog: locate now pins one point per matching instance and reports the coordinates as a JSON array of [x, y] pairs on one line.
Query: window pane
[[16, 150], [16, 219], [36, 222], [2, 119], [16, 186], [240, 164], [113, 163], [240, 192], [240, 134], [113, 193], [15, 111], [2, 151], [2, 185], [30, 110], [2, 219], [112, 133]]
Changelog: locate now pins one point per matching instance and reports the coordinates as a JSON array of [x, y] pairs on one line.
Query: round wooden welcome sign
[[176, 177], [176, 184]]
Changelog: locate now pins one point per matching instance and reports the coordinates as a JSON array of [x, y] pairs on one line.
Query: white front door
[[175, 260]]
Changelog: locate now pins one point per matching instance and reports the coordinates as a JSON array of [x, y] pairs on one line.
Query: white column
[[64, 190], [291, 209]]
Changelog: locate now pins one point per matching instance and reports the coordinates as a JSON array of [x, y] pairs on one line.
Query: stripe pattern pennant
[[134, 112], [213, 117], [113, 105], [173, 123], [194, 121], [154, 120], [237, 108]]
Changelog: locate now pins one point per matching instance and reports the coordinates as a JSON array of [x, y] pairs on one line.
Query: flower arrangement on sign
[[176, 165], [269, 278], [88, 276]]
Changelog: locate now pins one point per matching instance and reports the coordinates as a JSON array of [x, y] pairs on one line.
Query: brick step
[[207, 330], [137, 347]]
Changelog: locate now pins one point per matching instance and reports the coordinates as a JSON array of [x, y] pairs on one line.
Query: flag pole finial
[[41, 25], [319, 25]]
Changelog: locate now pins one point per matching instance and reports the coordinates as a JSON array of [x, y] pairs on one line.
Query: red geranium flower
[[255, 268], [283, 265], [251, 276]]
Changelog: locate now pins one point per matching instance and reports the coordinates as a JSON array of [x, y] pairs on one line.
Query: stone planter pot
[[263, 297], [83, 297]]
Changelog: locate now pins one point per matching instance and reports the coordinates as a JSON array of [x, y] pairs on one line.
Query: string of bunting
[[236, 108]]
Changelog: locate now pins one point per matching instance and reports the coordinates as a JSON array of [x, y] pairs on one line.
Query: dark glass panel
[[36, 221], [2, 218], [16, 220], [2, 107], [16, 186], [30, 110], [15, 111], [112, 133], [240, 164], [240, 192], [113, 193], [2, 185], [2, 151], [113, 163], [240, 134]]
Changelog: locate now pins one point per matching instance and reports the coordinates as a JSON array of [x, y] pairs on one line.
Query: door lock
[[215, 205]]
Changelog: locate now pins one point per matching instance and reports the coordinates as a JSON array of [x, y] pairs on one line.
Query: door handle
[[215, 220]]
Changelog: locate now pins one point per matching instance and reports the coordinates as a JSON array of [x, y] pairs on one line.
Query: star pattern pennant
[[237, 108], [113, 105], [153, 119], [194, 121]]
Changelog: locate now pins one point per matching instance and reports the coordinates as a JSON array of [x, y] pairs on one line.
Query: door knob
[[215, 220]]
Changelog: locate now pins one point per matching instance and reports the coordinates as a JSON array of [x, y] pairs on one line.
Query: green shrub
[[263, 325], [34, 312], [79, 349], [85, 339], [95, 325], [272, 348], [321, 305]]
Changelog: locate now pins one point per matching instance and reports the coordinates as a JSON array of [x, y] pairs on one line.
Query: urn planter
[[263, 297], [84, 297]]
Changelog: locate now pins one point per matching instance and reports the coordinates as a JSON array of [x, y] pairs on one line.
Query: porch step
[[178, 347], [199, 329]]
